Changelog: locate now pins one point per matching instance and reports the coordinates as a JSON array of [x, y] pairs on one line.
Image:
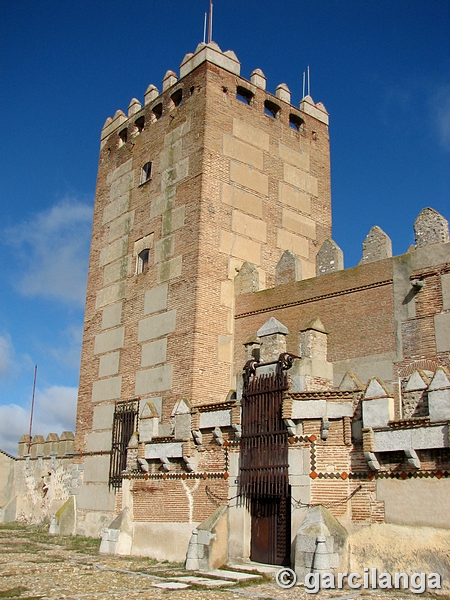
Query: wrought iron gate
[[125, 423], [264, 477]]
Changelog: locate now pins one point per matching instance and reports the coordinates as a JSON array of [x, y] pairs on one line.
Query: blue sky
[[382, 69]]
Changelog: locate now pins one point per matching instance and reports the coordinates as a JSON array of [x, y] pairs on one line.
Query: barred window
[[125, 423]]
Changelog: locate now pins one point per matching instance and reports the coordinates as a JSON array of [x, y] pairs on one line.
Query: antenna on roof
[[32, 409], [204, 28], [309, 84], [303, 92], [210, 21]]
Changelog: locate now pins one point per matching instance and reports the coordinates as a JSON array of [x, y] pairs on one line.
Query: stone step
[[204, 581], [232, 575], [171, 585]]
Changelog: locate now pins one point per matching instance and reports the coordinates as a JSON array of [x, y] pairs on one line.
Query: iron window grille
[[125, 423]]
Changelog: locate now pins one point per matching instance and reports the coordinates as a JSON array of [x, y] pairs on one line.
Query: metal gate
[[264, 477], [125, 423]]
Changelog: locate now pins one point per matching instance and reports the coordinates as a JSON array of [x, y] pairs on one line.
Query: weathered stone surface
[[376, 246], [430, 228], [288, 269], [247, 280], [330, 258]]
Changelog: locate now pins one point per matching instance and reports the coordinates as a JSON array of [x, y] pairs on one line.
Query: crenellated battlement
[[246, 88], [52, 445]]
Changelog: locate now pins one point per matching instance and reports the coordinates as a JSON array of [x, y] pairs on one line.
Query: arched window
[[146, 173], [143, 261]]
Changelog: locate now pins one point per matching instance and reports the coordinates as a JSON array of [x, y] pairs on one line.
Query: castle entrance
[[264, 477]]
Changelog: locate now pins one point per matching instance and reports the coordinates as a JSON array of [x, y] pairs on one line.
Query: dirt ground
[[35, 565]]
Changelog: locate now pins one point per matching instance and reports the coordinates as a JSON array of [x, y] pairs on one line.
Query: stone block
[[430, 228], [154, 353], [175, 174], [121, 226], [66, 443], [171, 155], [121, 185], [157, 379], [172, 220], [170, 269], [439, 405], [164, 450], [249, 178], [112, 315], [116, 208], [109, 340], [164, 249], [242, 152], [225, 348], [248, 226], [258, 79], [240, 247], [298, 224], [288, 269], [296, 159], [213, 54], [96, 497], [283, 93], [66, 517], [309, 409], [156, 326], [177, 133], [337, 410], [424, 438], [445, 283], [124, 168], [107, 389], [252, 135], [217, 418], [182, 427], [329, 259], [442, 332], [247, 280], [156, 299], [318, 111], [151, 93], [227, 294], [290, 241], [110, 294], [294, 198], [117, 270], [96, 470], [99, 441], [242, 200], [163, 203], [390, 441], [114, 251], [162, 541], [103, 416], [378, 412], [109, 364], [144, 243], [299, 179], [376, 246]]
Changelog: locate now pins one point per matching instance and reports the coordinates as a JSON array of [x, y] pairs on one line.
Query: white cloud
[[55, 410], [53, 249]]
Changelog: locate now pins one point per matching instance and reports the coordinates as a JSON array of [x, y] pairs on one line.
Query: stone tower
[[209, 173]]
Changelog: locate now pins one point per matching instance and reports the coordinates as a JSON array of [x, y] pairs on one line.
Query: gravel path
[[34, 565]]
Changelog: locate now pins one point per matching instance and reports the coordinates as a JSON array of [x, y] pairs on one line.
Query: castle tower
[[209, 173]]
